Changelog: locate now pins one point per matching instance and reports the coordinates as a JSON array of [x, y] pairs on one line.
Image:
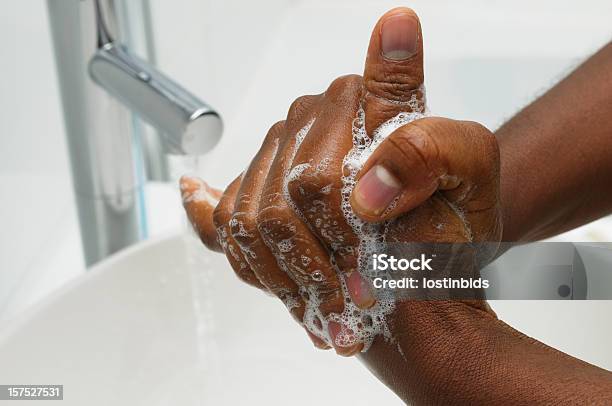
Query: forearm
[[556, 155], [452, 353]]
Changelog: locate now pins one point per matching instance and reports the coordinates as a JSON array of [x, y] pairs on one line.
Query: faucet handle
[[189, 125]]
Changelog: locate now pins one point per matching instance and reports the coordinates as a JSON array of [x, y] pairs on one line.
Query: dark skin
[[546, 171], [569, 185]]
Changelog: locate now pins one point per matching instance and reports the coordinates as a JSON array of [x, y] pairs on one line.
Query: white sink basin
[[167, 323], [129, 332]]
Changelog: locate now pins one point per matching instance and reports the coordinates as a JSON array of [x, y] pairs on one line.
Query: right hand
[[280, 222]]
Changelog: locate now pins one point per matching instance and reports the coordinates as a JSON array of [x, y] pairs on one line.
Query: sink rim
[[13, 324]]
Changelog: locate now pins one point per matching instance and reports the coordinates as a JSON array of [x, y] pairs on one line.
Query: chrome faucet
[[106, 90]]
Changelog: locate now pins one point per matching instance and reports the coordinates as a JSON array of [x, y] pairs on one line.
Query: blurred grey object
[[552, 270]]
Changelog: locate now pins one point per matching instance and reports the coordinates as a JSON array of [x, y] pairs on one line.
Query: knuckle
[[491, 149], [275, 131], [396, 86], [315, 195], [489, 140], [312, 182], [275, 222], [300, 108], [344, 93], [221, 215], [486, 141], [475, 127], [243, 227], [413, 142], [342, 83], [234, 256]]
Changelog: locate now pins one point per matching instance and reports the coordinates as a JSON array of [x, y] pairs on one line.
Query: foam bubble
[[357, 325], [365, 325]]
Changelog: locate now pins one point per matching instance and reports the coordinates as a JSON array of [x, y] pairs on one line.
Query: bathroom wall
[[213, 47], [250, 59], [479, 65], [36, 204]]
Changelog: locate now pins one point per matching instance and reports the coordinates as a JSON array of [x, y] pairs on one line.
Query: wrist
[[513, 197], [431, 345], [454, 353]]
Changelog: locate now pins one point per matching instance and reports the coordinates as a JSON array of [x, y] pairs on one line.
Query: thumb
[[458, 158], [393, 73], [199, 201]]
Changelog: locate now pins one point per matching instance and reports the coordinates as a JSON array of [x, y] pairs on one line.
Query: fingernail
[[376, 190], [189, 184], [399, 35], [360, 291], [190, 189], [335, 330], [195, 189]]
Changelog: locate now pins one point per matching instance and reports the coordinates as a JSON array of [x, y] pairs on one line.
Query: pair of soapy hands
[[282, 222]]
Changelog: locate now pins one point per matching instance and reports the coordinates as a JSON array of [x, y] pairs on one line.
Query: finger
[[316, 184], [221, 218], [458, 158], [243, 227], [281, 223], [296, 249], [199, 201], [341, 340], [319, 343], [393, 73]]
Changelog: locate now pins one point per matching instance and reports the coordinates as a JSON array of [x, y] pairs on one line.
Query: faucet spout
[[102, 84], [189, 125]]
